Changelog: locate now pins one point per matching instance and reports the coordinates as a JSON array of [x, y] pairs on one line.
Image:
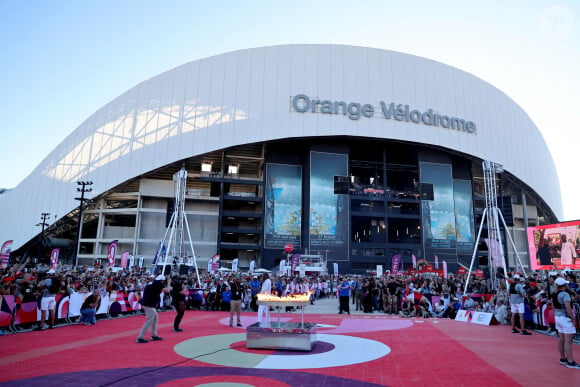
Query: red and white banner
[[215, 263], [414, 260], [436, 262], [112, 253], [54, 258], [5, 254], [124, 259], [444, 263]]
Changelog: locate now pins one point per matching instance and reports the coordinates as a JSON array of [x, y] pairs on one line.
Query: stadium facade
[[353, 153]]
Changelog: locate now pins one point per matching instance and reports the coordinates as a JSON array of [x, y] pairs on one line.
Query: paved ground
[[351, 350]]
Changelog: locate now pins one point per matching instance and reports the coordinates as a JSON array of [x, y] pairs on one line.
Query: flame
[[290, 298]]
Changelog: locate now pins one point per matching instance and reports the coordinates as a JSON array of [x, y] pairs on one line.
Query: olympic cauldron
[[282, 335]]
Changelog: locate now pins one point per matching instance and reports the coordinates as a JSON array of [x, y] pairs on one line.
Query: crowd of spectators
[[414, 295]]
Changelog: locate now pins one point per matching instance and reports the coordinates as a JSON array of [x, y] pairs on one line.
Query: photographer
[[150, 302], [178, 293]]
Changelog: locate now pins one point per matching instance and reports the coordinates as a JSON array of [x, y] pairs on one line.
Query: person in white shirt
[[501, 313], [264, 309]]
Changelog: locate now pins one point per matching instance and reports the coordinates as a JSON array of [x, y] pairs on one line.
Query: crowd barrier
[[14, 311]]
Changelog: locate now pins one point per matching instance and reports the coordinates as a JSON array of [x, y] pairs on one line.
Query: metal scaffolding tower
[[493, 215], [171, 250]]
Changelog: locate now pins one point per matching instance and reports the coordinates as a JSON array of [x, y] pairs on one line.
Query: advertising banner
[[54, 258], [335, 267], [5, 254], [235, 265], [283, 210], [159, 253], [124, 259], [328, 213], [252, 266], [112, 253], [295, 262], [215, 263], [494, 252], [395, 263]]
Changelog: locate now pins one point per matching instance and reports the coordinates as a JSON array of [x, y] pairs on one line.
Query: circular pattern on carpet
[[217, 350]]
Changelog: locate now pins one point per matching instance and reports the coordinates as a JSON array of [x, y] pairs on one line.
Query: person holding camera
[[178, 293], [237, 293], [151, 300]]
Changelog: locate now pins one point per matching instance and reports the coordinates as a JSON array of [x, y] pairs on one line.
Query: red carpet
[[353, 350]]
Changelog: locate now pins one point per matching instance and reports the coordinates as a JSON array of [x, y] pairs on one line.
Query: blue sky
[[63, 60]]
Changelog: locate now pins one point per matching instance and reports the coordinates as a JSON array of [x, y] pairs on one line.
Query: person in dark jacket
[[178, 293], [150, 302]]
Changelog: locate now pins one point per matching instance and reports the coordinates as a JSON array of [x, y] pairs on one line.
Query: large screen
[[328, 214], [555, 246], [283, 219]]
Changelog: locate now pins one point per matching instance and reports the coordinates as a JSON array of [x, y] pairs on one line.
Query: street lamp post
[[82, 189], [44, 216]]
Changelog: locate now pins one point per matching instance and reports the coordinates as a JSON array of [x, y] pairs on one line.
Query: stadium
[[349, 153]]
